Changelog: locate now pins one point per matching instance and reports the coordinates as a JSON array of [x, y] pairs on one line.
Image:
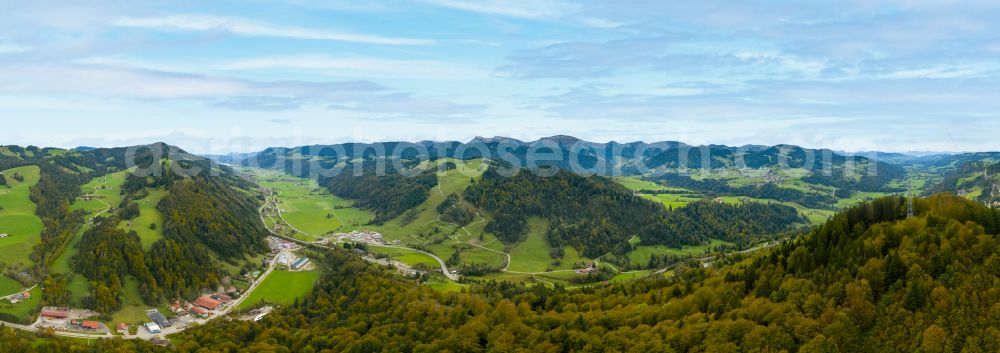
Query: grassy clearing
[[472, 255], [148, 214], [17, 217], [282, 288], [406, 256], [642, 253], [449, 286], [673, 200], [532, 254], [629, 276], [133, 310]]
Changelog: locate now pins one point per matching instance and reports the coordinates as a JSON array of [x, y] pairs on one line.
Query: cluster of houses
[[364, 236], [19, 297], [591, 268], [62, 317], [278, 245]]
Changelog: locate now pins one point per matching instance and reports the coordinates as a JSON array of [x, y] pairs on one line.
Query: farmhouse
[[91, 325], [207, 302], [300, 263], [122, 328], [19, 297]]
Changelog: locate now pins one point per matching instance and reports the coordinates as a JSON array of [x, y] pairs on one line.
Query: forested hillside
[[387, 192], [878, 283], [595, 214], [208, 218], [868, 281], [978, 180]]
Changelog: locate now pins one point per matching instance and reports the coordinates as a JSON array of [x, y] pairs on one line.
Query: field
[[17, 217], [133, 310], [309, 208], [9, 286], [148, 214], [406, 256], [423, 227], [642, 253], [282, 288]]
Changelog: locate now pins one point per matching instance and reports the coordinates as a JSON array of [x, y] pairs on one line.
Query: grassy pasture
[[282, 288], [406, 256], [311, 208], [17, 217], [148, 214]]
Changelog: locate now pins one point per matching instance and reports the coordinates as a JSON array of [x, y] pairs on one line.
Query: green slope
[[17, 217]]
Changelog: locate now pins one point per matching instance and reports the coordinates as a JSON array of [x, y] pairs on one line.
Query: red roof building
[[91, 325], [122, 327], [198, 311], [207, 303], [55, 314]]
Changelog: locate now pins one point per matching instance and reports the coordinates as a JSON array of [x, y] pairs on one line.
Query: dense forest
[[595, 214], [210, 212], [382, 188]]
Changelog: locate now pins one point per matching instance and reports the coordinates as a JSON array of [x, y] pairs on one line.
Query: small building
[[122, 328], [4, 235], [158, 318], [198, 311], [55, 315], [91, 325], [207, 302], [300, 263], [152, 327], [222, 298]]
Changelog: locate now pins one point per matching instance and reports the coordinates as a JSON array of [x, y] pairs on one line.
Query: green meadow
[[17, 217], [281, 288], [148, 214], [311, 208], [406, 256]]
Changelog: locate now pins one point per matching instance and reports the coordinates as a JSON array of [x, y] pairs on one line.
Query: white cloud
[[528, 9], [362, 66], [244, 27]]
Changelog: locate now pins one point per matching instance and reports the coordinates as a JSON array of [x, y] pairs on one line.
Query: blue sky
[[218, 76]]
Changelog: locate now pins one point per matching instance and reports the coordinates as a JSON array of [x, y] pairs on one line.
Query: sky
[[236, 76]]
